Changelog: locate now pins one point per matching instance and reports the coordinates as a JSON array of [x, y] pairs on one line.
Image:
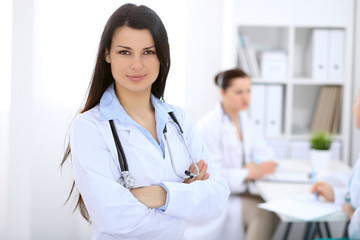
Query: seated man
[[349, 197]]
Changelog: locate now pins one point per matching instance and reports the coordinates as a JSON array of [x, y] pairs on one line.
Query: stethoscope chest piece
[[126, 180]]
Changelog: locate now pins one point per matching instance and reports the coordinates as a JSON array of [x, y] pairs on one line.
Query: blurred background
[[48, 51]]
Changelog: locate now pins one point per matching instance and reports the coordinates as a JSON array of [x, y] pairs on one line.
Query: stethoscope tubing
[[188, 174], [120, 150], [126, 179]]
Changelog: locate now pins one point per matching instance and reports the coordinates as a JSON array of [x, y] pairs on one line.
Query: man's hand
[[203, 174], [325, 190]]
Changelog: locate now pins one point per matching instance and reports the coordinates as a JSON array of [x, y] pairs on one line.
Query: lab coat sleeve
[[112, 208], [200, 200], [210, 131], [339, 195], [354, 226]]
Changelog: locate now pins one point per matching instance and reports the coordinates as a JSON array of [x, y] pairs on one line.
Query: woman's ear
[[107, 56], [222, 92]]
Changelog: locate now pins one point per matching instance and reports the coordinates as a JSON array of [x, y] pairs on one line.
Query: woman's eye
[[149, 52], [124, 52]]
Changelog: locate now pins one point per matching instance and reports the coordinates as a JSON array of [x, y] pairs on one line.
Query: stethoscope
[[126, 179]]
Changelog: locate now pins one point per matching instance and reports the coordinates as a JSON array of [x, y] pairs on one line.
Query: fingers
[[202, 170], [323, 189], [315, 187], [318, 187], [254, 171], [192, 168], [207, 175], [268, 167], [203, 175]]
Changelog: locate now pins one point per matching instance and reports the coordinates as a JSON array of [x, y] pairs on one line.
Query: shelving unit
[[288, 26]]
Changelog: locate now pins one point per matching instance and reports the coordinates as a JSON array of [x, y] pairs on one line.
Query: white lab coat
[[354, 189], [354, 227], [220, 137], [115, 213]]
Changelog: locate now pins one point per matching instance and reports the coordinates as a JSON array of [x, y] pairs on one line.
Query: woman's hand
[[267, 167], [348, 210], [325, 190], [203, 174], [152, 196], [254, 171]]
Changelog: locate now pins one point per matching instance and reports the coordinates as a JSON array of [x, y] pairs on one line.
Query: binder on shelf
[[319, 50], [326, 117], [336, 122], [257, 107], [273, 110], [336, 54], [251, 55], [243, 60], [247, 57]]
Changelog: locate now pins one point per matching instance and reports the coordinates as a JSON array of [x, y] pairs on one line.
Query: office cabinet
[[305, 47]]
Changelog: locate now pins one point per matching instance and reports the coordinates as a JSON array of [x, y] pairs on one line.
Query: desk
[[277, 190]]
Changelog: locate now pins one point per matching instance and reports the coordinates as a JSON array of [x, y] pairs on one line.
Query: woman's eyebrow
[[120, 46], [148, 47]]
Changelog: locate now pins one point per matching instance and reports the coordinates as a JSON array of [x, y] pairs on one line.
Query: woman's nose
[[136, 63]]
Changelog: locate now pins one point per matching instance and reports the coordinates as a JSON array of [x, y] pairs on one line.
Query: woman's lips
[[136, 78]]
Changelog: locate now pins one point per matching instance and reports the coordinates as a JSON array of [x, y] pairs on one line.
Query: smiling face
[[133, 60], [237, 96]]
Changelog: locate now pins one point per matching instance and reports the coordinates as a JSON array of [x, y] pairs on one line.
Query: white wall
[[204, 56], [5, 80], [356, 88], [4, 156], [20, 153]]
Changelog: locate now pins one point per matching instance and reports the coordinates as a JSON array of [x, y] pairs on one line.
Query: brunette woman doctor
[[242, 156], [126, 95]]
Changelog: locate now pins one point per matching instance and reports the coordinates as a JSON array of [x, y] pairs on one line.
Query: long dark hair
[[224, 79], [137, 17]]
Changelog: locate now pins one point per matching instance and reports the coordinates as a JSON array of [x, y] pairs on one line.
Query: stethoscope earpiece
[[188, 173]]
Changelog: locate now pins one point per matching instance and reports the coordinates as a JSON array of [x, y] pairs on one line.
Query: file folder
[[320, 49], [257, 107], [336, 54], [274, 109]]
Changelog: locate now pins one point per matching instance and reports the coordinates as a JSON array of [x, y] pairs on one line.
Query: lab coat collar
[[229, 127], [224, 116], [110, 107]]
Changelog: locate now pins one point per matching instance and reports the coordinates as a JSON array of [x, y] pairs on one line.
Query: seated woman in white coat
[[139, 164], [242, 156], [347, 196]]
